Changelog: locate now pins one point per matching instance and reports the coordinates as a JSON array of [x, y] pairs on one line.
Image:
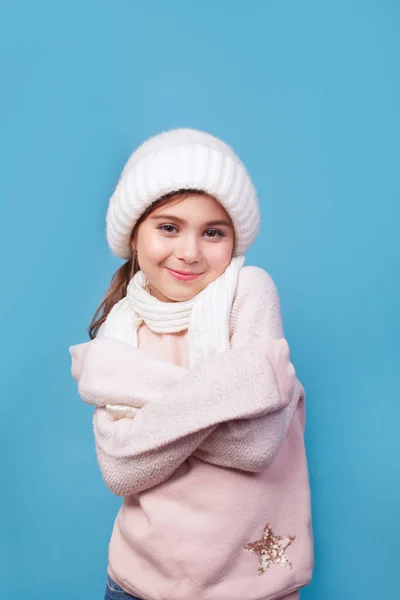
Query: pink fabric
[[213, 455], [293, 596]]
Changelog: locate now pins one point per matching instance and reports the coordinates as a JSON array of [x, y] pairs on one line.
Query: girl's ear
[[133, 244]]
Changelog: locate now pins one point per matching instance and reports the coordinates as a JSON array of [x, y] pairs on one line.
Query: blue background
[[308, 94]]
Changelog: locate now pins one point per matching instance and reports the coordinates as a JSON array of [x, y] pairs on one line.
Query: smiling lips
[[183, 276]]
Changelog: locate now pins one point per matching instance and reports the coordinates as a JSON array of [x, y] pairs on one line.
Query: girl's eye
[[219, 233], [162, 226]]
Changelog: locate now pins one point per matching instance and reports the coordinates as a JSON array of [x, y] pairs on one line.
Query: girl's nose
[[189, 249]]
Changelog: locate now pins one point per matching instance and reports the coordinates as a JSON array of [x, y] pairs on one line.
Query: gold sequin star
[[271, 549]]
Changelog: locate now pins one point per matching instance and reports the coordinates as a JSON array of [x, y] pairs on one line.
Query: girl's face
[[193, 235]]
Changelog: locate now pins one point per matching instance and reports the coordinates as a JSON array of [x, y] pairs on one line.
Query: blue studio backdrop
[[308, 94]]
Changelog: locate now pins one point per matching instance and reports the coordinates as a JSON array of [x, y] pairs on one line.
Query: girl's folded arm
[[128, 467], [252, 444], [249, 444], [236, 384]]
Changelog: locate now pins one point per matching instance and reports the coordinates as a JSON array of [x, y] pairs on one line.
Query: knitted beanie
[[182, 159]]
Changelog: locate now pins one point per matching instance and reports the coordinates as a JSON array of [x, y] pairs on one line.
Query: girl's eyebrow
[[183, 222]]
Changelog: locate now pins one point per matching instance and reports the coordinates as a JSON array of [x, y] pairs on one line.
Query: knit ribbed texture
[[182, 159]]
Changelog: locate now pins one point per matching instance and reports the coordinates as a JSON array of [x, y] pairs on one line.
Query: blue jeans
[[114, 592]]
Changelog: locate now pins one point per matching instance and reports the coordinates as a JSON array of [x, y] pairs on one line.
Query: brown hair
[[123, 275]]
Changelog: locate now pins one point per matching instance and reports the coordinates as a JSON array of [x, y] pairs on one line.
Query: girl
[[199, 417]]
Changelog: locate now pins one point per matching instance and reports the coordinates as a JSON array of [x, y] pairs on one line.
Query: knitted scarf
[[206, 315]]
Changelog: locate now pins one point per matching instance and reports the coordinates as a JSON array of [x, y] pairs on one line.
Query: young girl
[[199, 417]]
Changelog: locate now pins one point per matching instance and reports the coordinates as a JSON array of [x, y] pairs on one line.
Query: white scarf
[[206, 315]]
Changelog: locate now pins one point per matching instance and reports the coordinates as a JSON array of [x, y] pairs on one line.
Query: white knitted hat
[[182, 159]]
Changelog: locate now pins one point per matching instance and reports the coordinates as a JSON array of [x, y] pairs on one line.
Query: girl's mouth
[[183, 276]]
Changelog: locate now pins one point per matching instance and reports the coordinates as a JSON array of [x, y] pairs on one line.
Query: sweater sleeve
[[136, 454], [252, 444]]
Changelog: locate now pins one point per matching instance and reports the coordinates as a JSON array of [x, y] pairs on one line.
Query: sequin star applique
[[271, 549]]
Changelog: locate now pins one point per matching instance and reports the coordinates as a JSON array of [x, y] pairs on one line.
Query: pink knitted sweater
[[212, 468]]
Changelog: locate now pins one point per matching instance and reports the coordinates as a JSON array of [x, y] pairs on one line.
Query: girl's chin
[[178, 293], [174, 292]]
